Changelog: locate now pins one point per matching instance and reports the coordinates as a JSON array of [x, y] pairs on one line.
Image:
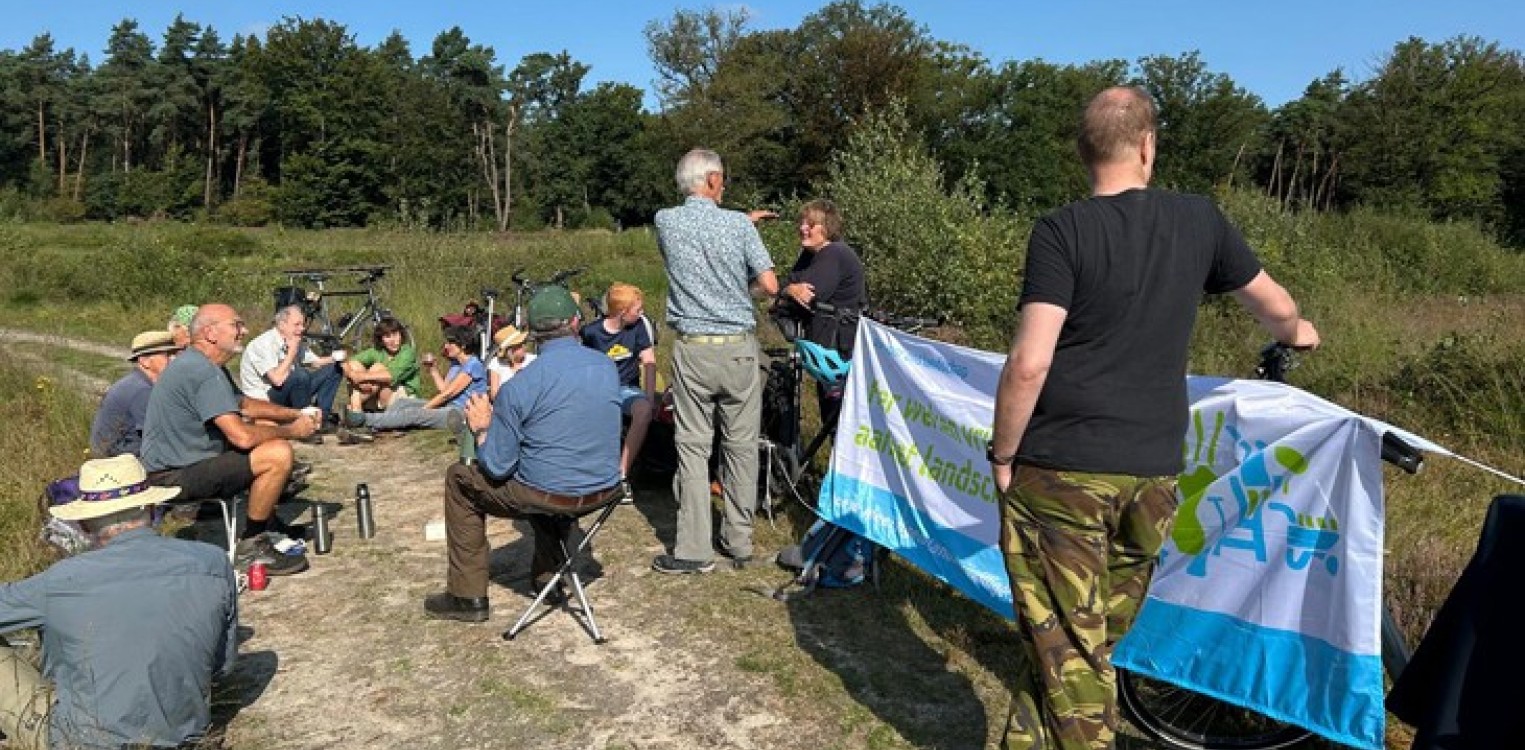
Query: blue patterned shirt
[[712, 254]]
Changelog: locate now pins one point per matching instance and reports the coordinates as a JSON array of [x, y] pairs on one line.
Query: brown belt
[[575, 502], [713, 338]]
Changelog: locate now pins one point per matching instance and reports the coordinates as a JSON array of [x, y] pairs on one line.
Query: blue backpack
[[829, 556]]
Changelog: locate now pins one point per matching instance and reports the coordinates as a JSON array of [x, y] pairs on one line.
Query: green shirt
[[403, 365]]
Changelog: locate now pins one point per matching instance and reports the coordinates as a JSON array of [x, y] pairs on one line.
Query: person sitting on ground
[[202, 436], [386, 370], [623, 336], [180, 325], [133, 631], [466, 376], [118, 424], [828, 272], [278, 367], [513, 355], [548, 446]]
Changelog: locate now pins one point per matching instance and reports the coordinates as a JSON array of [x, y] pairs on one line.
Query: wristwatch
[[994, 459]]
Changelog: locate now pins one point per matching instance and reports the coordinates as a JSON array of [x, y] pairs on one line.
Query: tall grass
[[42, 440]]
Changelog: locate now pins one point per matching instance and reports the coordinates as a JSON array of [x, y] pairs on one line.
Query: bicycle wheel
[[1183, 719]]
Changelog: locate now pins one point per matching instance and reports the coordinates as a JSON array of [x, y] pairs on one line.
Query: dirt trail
[[342, 656], [75, 377]]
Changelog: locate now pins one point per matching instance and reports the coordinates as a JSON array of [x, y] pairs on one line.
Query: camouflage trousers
[[1079, 549]]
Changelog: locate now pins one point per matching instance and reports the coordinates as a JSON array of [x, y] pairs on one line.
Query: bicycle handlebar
[[1277, 359]]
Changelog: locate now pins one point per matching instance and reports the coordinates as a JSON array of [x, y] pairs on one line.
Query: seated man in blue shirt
[[132, 631], [118, 424], [548, 448]]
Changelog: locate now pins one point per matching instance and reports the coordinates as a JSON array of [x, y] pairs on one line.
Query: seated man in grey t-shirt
[[202, 436]]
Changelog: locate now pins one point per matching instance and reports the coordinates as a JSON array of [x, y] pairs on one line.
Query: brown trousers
[[471, 496]]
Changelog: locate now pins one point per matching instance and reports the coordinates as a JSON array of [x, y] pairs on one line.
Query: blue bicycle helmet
[[825, 365]]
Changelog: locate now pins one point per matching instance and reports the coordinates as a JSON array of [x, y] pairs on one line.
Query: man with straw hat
[[118, 424], [133, 631]]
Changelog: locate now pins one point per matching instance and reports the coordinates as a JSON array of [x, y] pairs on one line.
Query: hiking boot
[[260, 549], [352, 419], [740, 562], [676, 566], [354, 435], [448, 606]]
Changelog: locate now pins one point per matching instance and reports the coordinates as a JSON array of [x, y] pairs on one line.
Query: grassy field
[[1412, 336]]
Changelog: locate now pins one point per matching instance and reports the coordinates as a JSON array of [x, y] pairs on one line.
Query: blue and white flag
[[1268, 593]]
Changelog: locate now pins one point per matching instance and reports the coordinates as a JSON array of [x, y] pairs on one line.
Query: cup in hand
[[313, 413], [338, 355], [427, 359]]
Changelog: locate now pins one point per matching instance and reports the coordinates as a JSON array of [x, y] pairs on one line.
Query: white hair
[[288, 311], [695, 167]]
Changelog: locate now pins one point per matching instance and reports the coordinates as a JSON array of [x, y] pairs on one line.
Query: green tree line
[[304, 126]]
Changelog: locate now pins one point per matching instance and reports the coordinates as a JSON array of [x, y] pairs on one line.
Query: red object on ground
[[258, 577]]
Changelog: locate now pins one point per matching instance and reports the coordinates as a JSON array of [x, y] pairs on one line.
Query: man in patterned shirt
[[716, 263]]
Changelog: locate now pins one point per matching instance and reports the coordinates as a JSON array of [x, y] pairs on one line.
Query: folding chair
[[229, 508], [564, 523]]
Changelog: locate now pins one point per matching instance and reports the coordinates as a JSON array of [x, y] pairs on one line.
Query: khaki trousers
[[26, 699]]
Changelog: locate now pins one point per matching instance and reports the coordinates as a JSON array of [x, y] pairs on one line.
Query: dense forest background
[[304, 127]]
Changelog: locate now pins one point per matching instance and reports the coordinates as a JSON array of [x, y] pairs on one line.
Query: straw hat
[[152, 342], [508, 337], [112, 485]]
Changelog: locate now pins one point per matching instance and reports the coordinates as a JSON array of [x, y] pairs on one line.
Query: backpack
[[828, 556]]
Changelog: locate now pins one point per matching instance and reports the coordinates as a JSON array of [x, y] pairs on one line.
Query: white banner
[[1269, 589]]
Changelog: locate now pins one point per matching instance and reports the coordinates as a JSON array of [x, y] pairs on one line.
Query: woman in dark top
[[829, 272]]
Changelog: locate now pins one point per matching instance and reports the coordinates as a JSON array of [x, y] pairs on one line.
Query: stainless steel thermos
[[322, 538], [363, 511]]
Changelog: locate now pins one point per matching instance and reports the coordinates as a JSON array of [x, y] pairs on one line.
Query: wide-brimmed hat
[[112, 485], [551, 304], [152, 342], [509, 337]]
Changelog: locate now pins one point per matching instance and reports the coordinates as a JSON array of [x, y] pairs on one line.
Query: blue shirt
[[711, 255], [556, 425], [118, 425], [132, 635], [478, 384]]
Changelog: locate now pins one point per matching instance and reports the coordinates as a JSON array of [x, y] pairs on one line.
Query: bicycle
[[351, 331], [788, 455], [1181, 718], [525, 288]]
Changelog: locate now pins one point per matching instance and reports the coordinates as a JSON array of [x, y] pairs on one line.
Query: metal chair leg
[[568, 571]]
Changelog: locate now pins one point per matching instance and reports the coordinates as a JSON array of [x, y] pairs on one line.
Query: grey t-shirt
[[178, 429]]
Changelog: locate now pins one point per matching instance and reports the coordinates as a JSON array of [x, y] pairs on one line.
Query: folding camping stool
[[564, 523], [229, 508]]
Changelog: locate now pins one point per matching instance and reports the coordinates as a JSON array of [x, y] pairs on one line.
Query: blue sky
[[1271, 49]]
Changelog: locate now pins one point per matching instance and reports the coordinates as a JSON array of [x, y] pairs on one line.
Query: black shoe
[[300, 469], [354, 436], [447, 606], [676, 566], [740, 562], [313, 439]]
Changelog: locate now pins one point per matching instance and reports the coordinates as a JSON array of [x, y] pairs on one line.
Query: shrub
[[926, 250]]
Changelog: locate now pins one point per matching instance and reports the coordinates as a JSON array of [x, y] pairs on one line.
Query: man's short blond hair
[[621, 297], [1115, 121]]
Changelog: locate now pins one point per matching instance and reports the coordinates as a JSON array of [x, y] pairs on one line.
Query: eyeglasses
[[236, 324]]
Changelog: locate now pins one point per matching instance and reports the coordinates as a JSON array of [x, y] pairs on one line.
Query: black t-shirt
[[1130, 270], [837, 275]]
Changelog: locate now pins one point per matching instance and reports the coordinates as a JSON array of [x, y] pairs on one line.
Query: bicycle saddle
[[825, 365]]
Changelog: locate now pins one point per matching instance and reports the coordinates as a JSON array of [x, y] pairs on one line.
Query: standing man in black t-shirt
[[1091, 412]]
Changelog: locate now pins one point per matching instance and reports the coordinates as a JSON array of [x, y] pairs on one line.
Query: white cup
[[338, 355], [313, 413]]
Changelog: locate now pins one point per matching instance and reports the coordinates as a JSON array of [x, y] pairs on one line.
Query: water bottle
[[322, 538], [363, 511]]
